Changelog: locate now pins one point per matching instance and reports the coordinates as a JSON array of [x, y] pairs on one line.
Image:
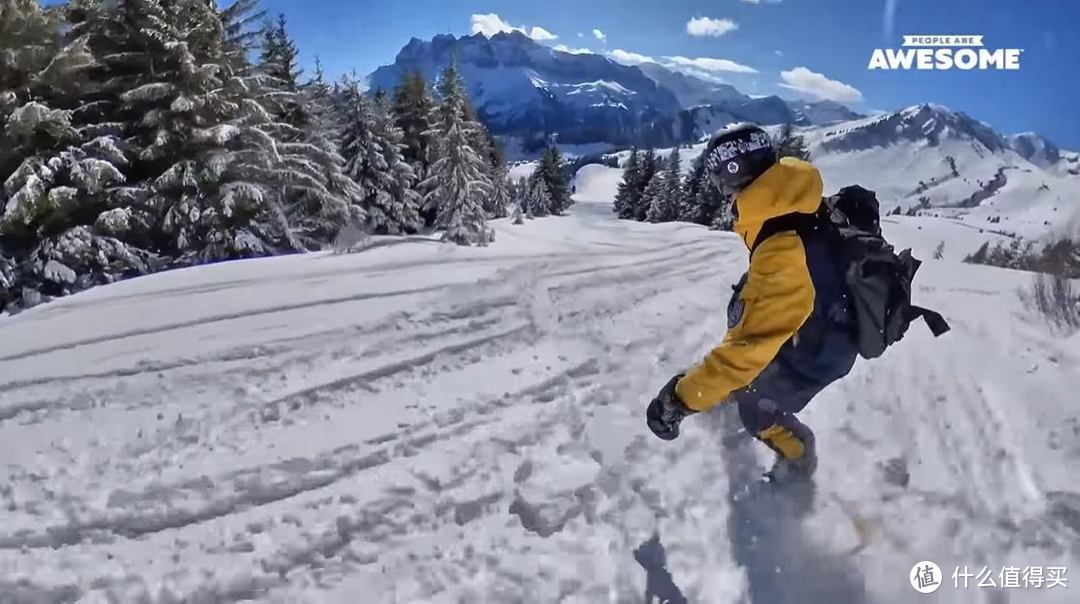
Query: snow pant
[[767, 407]]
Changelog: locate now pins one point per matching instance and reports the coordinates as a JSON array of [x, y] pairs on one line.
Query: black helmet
[[737, 155]]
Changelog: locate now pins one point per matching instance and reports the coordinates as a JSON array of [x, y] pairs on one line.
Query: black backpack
[[878, 278]]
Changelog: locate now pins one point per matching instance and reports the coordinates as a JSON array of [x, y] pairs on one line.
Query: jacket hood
[[790, 186]]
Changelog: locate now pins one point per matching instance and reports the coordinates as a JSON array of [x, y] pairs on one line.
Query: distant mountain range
[[532, 92], [924, 155]]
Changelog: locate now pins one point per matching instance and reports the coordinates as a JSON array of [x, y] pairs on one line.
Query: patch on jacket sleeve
[[735, 311]]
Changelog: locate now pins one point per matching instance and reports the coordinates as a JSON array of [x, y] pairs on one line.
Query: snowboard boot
[[796, 453]]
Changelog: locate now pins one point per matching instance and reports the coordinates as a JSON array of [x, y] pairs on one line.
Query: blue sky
[[830, 40]]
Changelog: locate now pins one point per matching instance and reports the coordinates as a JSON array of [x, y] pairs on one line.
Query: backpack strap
[[933, 319], [798, 222], [937, 323]]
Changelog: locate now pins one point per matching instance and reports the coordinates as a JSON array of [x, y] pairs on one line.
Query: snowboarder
[[796, 321]]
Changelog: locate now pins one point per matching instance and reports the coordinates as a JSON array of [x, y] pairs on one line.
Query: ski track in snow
[[416, 423]]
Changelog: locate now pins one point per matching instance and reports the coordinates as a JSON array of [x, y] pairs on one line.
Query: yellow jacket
[[779, 294]]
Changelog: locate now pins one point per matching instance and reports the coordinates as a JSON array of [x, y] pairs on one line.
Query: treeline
[[1056, 266], [1061, 257], [653, 189], [140, 135]]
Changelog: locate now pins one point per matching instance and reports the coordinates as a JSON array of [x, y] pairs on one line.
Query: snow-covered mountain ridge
[[524, 89], [948, 162], [530, 91]]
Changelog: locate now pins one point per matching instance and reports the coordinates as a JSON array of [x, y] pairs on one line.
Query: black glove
[[666, 411]]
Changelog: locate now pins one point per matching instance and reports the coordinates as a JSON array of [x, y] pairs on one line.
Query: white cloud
[[761, 1], [817, 86], [779, 53], [540, 34], [710, 65], [490, 24], [706, 26], [599, 35], [705, 68], [573, 51], [629, 58]]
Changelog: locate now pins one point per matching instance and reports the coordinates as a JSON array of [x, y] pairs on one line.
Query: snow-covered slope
[[427, 423], [931, 155]]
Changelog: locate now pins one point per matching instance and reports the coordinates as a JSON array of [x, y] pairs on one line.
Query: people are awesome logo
[[944, 53]]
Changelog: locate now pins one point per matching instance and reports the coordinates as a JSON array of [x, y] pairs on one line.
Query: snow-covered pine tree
[[61, 165], [689, 210], [550, 169], [539, 201], [397, 211], [279, 54], [649, 167], [626, 197], [8, 279], [653, 197], [665, 206], [414, 110], [42, 160], [790, 144], [458, 182], [522, 194], [518, 214], [315, 192], [501, 197], [702, 203], [319, 217], [205, 165], [362, 149]]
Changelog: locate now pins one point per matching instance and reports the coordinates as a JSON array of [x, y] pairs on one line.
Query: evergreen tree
[[457, 183], [413, 109], [365, 162], [279, 54], [55, 173], [665, 206], [501, 197], [550, 169], [790, 144], [703, 203], [522, 194], [689, 208], [650, 166], [654, 194], [315, 192], [626, 198], [59, 168], [315, 217], [202, 146], [9, 279], [518, 218], [397, 210], [539, 200]]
